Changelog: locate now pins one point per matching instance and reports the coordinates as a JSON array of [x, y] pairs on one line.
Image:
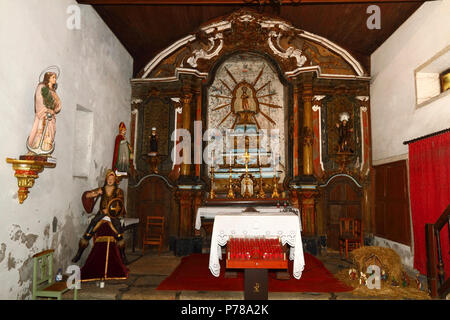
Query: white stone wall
[[95, 73], [394, 113]]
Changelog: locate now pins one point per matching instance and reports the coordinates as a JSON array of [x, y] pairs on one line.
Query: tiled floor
[[146, 272]]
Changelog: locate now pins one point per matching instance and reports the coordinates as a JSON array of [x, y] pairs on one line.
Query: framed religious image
[[244, 98], [445, 80]]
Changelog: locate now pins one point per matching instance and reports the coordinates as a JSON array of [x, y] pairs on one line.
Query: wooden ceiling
[[145, 30]]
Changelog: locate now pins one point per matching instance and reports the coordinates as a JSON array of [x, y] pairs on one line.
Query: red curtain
[[429, 168]]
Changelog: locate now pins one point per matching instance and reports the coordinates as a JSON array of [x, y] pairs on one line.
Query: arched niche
[[155, 112], [269, 91]]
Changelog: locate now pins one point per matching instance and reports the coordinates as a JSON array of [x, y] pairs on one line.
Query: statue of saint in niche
[[153, 142], [344, 133], [244, 98]]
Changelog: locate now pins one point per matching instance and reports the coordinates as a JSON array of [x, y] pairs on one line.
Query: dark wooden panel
[[350, 194], [392, 216], [343, 200], [154, 198], [379, 217]]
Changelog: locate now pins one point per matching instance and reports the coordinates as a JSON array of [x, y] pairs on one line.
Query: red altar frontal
[[258, 253]]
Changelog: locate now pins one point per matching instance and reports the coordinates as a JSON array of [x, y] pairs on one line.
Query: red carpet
[[193, 274]]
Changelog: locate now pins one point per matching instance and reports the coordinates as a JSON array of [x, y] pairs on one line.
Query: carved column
[[186, 223], [308, 211], [366, 208], [197, 203], [198, 135], [307, 132], [296, 120], [186, 124], [176, 171]]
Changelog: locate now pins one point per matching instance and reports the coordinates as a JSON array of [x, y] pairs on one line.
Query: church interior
[[225, 149]]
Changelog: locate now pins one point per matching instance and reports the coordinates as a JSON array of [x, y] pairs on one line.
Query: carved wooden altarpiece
[[251, 72]]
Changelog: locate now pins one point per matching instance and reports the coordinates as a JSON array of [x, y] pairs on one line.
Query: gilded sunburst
[[245, 99]]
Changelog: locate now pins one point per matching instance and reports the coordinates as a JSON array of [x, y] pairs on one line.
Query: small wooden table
[[279, 225], [256, 273]]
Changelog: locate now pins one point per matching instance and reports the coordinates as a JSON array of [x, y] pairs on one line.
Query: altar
[[260, 129], [270, 224], [210, 212]]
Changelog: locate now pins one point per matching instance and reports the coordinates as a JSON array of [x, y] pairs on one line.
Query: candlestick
[[261, 193], [230, 194], [275, 193], [212, 194]]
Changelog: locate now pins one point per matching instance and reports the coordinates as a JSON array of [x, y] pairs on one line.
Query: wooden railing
[[437, 285]]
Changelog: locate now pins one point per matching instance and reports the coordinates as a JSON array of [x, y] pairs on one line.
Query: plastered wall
[[394, 113], [95, 73]]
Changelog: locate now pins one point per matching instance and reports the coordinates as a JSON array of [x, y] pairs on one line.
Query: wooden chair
[[350, 235], [154, 232], [43, 285]]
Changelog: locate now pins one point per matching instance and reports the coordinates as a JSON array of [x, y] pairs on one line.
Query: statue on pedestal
[[153, 154], [153, 141], [123, 153]]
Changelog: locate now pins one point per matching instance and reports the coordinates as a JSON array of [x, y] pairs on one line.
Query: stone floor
[[146, 272]]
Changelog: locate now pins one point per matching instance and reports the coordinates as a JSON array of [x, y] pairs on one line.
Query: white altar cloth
[[285, 226], [211, 212]]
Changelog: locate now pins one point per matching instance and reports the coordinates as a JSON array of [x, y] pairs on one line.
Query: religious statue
[[344, 131], [153, 141], [46, 105], [123, 153], [246, 182], [111, 207], [244, 98]]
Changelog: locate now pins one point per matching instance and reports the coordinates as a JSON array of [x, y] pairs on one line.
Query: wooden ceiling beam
[[218, 2]]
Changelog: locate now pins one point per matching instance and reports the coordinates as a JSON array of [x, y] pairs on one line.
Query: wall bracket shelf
[[27, 169]]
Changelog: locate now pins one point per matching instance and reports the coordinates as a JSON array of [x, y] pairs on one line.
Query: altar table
[[276, 224], [210, 212]]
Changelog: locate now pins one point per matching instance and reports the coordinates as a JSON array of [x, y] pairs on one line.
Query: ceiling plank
[[146, 30], [215, 2]]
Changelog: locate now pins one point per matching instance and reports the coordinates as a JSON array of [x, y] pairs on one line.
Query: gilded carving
[[247, 30]]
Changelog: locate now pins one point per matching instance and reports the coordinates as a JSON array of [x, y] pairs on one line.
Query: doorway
[[343, 200]]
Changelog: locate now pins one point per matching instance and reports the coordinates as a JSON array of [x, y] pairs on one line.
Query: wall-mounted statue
[[46, 105], [123, 152]]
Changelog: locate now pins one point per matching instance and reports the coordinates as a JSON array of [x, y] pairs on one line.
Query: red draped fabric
[[429, 168], [104, 261]]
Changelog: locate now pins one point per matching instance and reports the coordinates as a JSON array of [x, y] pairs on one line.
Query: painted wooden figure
[[46, 105]]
